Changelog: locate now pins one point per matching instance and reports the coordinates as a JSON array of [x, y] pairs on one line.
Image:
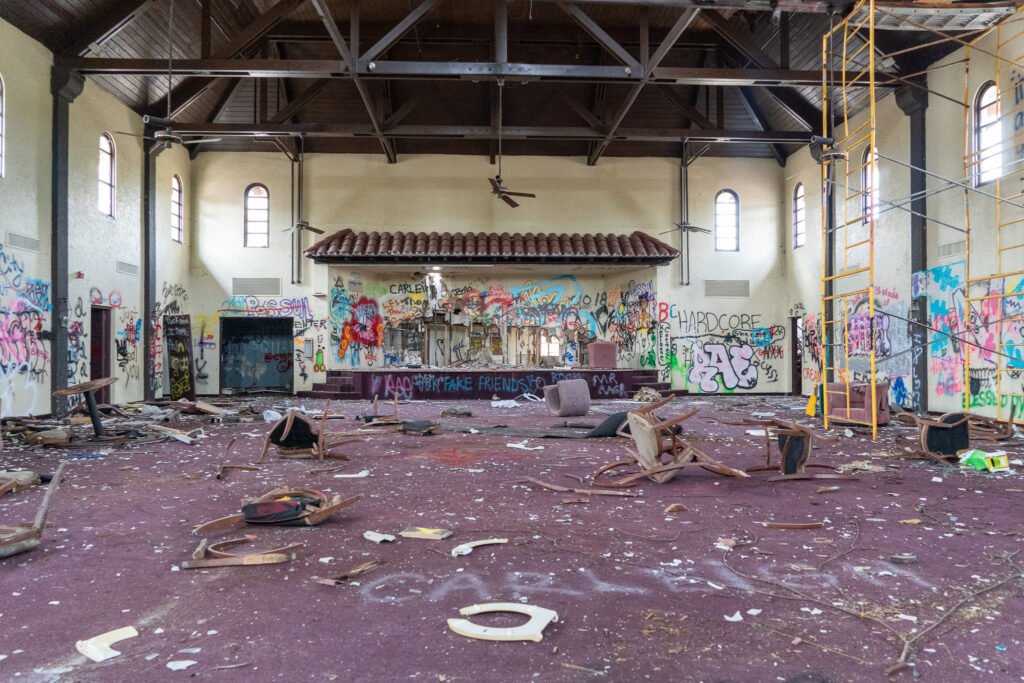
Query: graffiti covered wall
[[24, 337]]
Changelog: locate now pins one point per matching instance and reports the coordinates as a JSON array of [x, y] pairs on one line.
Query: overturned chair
[[795, 445], [568, 398], [296, 438], [943, 438], [661, 452]]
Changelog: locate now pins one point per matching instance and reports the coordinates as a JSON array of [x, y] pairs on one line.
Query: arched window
[[107, 172], [988, 157], [727, 221], [869, 186], [2, 95], [799, 216], [257, 216], [177, 210]]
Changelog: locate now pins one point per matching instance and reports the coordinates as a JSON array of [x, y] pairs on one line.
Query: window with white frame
[[106, 171], [799, 216], [257, 216], [177, 210], [869, 185], [727, 221], [987, 155]]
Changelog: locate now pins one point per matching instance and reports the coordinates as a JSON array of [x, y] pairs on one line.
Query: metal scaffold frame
[[847, 287], [849, 48], [987, 290]]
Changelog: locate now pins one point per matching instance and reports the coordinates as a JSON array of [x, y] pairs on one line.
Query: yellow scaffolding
[[988, 302], [850, 48], [851, 286]]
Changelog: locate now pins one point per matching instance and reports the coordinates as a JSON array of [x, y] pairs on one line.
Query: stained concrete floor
[[641, 594]]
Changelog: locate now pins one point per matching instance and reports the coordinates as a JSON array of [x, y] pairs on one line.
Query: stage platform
[[454, 384]]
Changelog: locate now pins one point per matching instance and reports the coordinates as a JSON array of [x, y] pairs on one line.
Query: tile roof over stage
[[349, 246]]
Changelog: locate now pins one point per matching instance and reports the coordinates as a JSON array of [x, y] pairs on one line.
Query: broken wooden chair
[[992, 429], [379, 419], [795, 445], [942, 438], [18, 539], [284, 507], [216, 555], [661, 452], [297, 438]]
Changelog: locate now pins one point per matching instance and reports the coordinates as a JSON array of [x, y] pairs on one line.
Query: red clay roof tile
[[347, 246]]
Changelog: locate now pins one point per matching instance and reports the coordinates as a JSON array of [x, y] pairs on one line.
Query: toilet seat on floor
[[531, 630]]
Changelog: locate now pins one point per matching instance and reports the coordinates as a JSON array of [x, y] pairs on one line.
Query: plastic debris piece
[[377, 537], [358, 475], [98, 647], [754, 611], [907, 617], [734, 617], [271, 416], [827, 489], [674, 507], [903, 558], [504, 404], [424, 532], [725, 543], [467, 548], [523, 447], [915, 521], [181, 664], [813, 611]]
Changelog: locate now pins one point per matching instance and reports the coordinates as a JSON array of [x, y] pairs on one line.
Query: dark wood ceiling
[[740, 72]]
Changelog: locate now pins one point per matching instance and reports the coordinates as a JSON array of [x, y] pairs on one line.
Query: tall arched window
[[988, 157], [2, 96], [177, 210], [799, 216], [727, 221], [257, 216], [869, 186], [107, 173]]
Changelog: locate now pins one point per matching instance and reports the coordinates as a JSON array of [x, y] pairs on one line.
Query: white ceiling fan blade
[[200, 141]]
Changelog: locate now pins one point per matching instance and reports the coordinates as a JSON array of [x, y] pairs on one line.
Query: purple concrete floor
[[641, 595]]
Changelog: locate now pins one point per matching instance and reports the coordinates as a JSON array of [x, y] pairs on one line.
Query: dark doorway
[[796, 352], [256, 353], [101, 335]]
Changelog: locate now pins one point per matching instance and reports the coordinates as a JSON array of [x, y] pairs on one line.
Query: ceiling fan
[[163, 128], [498, 188], [303, 225]]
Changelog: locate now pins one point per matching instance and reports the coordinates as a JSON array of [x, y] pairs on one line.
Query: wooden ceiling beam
[[103, 28], [400, 29], [324, 11], [188, 91], [750, 104]]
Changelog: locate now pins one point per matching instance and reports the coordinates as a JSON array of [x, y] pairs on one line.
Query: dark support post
[[65, 86], [150, 310], [913, 101], [205, 41]]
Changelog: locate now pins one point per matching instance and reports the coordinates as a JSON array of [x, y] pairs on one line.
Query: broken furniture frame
[[216, 555], [317, 439], [655, 439], [18, 539], [313, 516], [378, 419], [795, 445], [89, 389]]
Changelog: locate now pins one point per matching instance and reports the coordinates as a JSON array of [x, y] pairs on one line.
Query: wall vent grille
[[19, 241], [127, 268], [727, 288], [952, 249], [256, 286]]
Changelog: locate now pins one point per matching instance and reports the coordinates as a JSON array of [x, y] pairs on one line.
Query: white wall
[[96, 242], [25, 305], [450, 193]]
